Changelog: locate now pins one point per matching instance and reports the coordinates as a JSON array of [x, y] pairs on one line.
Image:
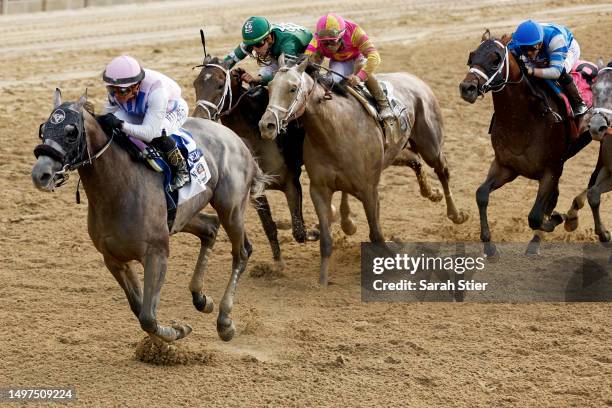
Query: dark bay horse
[[343, 149], [220, 95], [526, 142], [601, 181], [127, 208]]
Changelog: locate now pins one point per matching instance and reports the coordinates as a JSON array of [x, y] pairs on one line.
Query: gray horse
[[220, 96], [127, 208], [343, 149], [601, 180]]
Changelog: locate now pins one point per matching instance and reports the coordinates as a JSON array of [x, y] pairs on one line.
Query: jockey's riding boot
[[178, 162], [381, 99], [167, 145], [569, 86]]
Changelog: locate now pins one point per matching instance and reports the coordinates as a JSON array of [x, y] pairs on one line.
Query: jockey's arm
[[361, 41], [312, 51], [557, 53], [151, 126], [237, 55]]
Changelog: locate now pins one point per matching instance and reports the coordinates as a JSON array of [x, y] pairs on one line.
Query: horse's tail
[[259, 182]]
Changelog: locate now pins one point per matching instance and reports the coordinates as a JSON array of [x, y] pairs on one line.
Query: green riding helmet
[[255, 29]]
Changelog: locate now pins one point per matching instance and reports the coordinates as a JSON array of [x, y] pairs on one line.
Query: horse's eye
[[469, 62], [220, 86], [41, 130], [293, 89], [71, 132]]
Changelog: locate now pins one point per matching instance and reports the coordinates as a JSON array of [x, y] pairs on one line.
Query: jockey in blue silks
[[550, 51]]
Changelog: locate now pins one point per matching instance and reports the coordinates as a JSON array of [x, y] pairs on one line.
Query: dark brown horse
[[601, 180], [526, 142], [127, 209], [220, 96]]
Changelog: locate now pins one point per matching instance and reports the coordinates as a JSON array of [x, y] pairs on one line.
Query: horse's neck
[[110, 176], [243, 119]]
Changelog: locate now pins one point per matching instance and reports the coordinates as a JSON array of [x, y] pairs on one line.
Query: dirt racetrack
[[66, 322]]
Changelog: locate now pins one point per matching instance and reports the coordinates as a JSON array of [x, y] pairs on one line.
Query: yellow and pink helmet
[[330, 27]]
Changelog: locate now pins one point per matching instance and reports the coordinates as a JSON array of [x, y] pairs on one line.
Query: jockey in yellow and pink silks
[[351, 54]]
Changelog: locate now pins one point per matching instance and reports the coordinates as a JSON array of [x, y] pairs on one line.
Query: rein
[[227, 91], [61, 176], [281, 123], [486, 87]]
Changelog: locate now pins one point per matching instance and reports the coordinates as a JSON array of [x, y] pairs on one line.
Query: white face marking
[[207, 77]]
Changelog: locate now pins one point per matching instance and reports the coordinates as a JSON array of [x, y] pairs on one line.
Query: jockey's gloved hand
[[109, 123]]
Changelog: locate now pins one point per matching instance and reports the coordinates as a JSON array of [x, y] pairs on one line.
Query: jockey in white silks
[[147, 105]]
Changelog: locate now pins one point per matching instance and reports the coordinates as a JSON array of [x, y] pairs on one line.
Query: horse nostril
[[44, 178], [270, 126], [602, 129]]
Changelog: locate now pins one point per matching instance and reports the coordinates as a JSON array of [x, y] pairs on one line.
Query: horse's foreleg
[[241, 249], [540, 219], [497, 177], [321, 199], [411, 159], [602, 185], [205, 227], [293, 194], [155, 264], [346, 220], [127, 277], [265, 216]]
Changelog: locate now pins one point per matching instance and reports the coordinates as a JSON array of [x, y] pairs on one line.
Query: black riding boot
[[569, 86], [167, 145]]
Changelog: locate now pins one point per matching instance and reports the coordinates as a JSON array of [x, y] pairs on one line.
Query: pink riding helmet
[[123, 71], [330, 27]]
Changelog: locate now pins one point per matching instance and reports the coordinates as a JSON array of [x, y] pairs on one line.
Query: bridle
[[488, 84], [46, 149], [605, 113], [227, 93], [289, 113]]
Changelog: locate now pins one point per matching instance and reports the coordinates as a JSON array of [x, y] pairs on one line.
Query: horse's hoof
[[435, 195], [533, 249], [571, 224], [203, 303], [460, 217], [313, 235], [226, 333], [491, 252], [604, 237], [348, 227], [183, 330], [557, 218]]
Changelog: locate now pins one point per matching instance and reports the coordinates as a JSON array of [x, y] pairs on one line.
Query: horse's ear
[[506, 38], [486, 35], [78, 106], [57, 98], [600, 63], [303, 65], [281, 60]]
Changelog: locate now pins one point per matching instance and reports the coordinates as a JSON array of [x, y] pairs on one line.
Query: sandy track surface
[[66, 321]]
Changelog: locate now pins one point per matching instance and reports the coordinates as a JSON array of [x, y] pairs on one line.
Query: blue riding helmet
[[528, 33]]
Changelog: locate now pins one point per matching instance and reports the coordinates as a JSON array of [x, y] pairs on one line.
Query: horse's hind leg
[[409, 158], [265, 216], [155, 264], [571, 221], [346, 220], [127, 277], [205, 227], [233, 223], [497, 177], [602, 185], [437, 160]]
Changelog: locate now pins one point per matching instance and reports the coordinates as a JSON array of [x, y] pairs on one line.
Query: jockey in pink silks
[[147, 105], [351, 54]]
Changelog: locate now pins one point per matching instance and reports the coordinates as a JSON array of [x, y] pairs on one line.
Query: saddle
[[362, 94]]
